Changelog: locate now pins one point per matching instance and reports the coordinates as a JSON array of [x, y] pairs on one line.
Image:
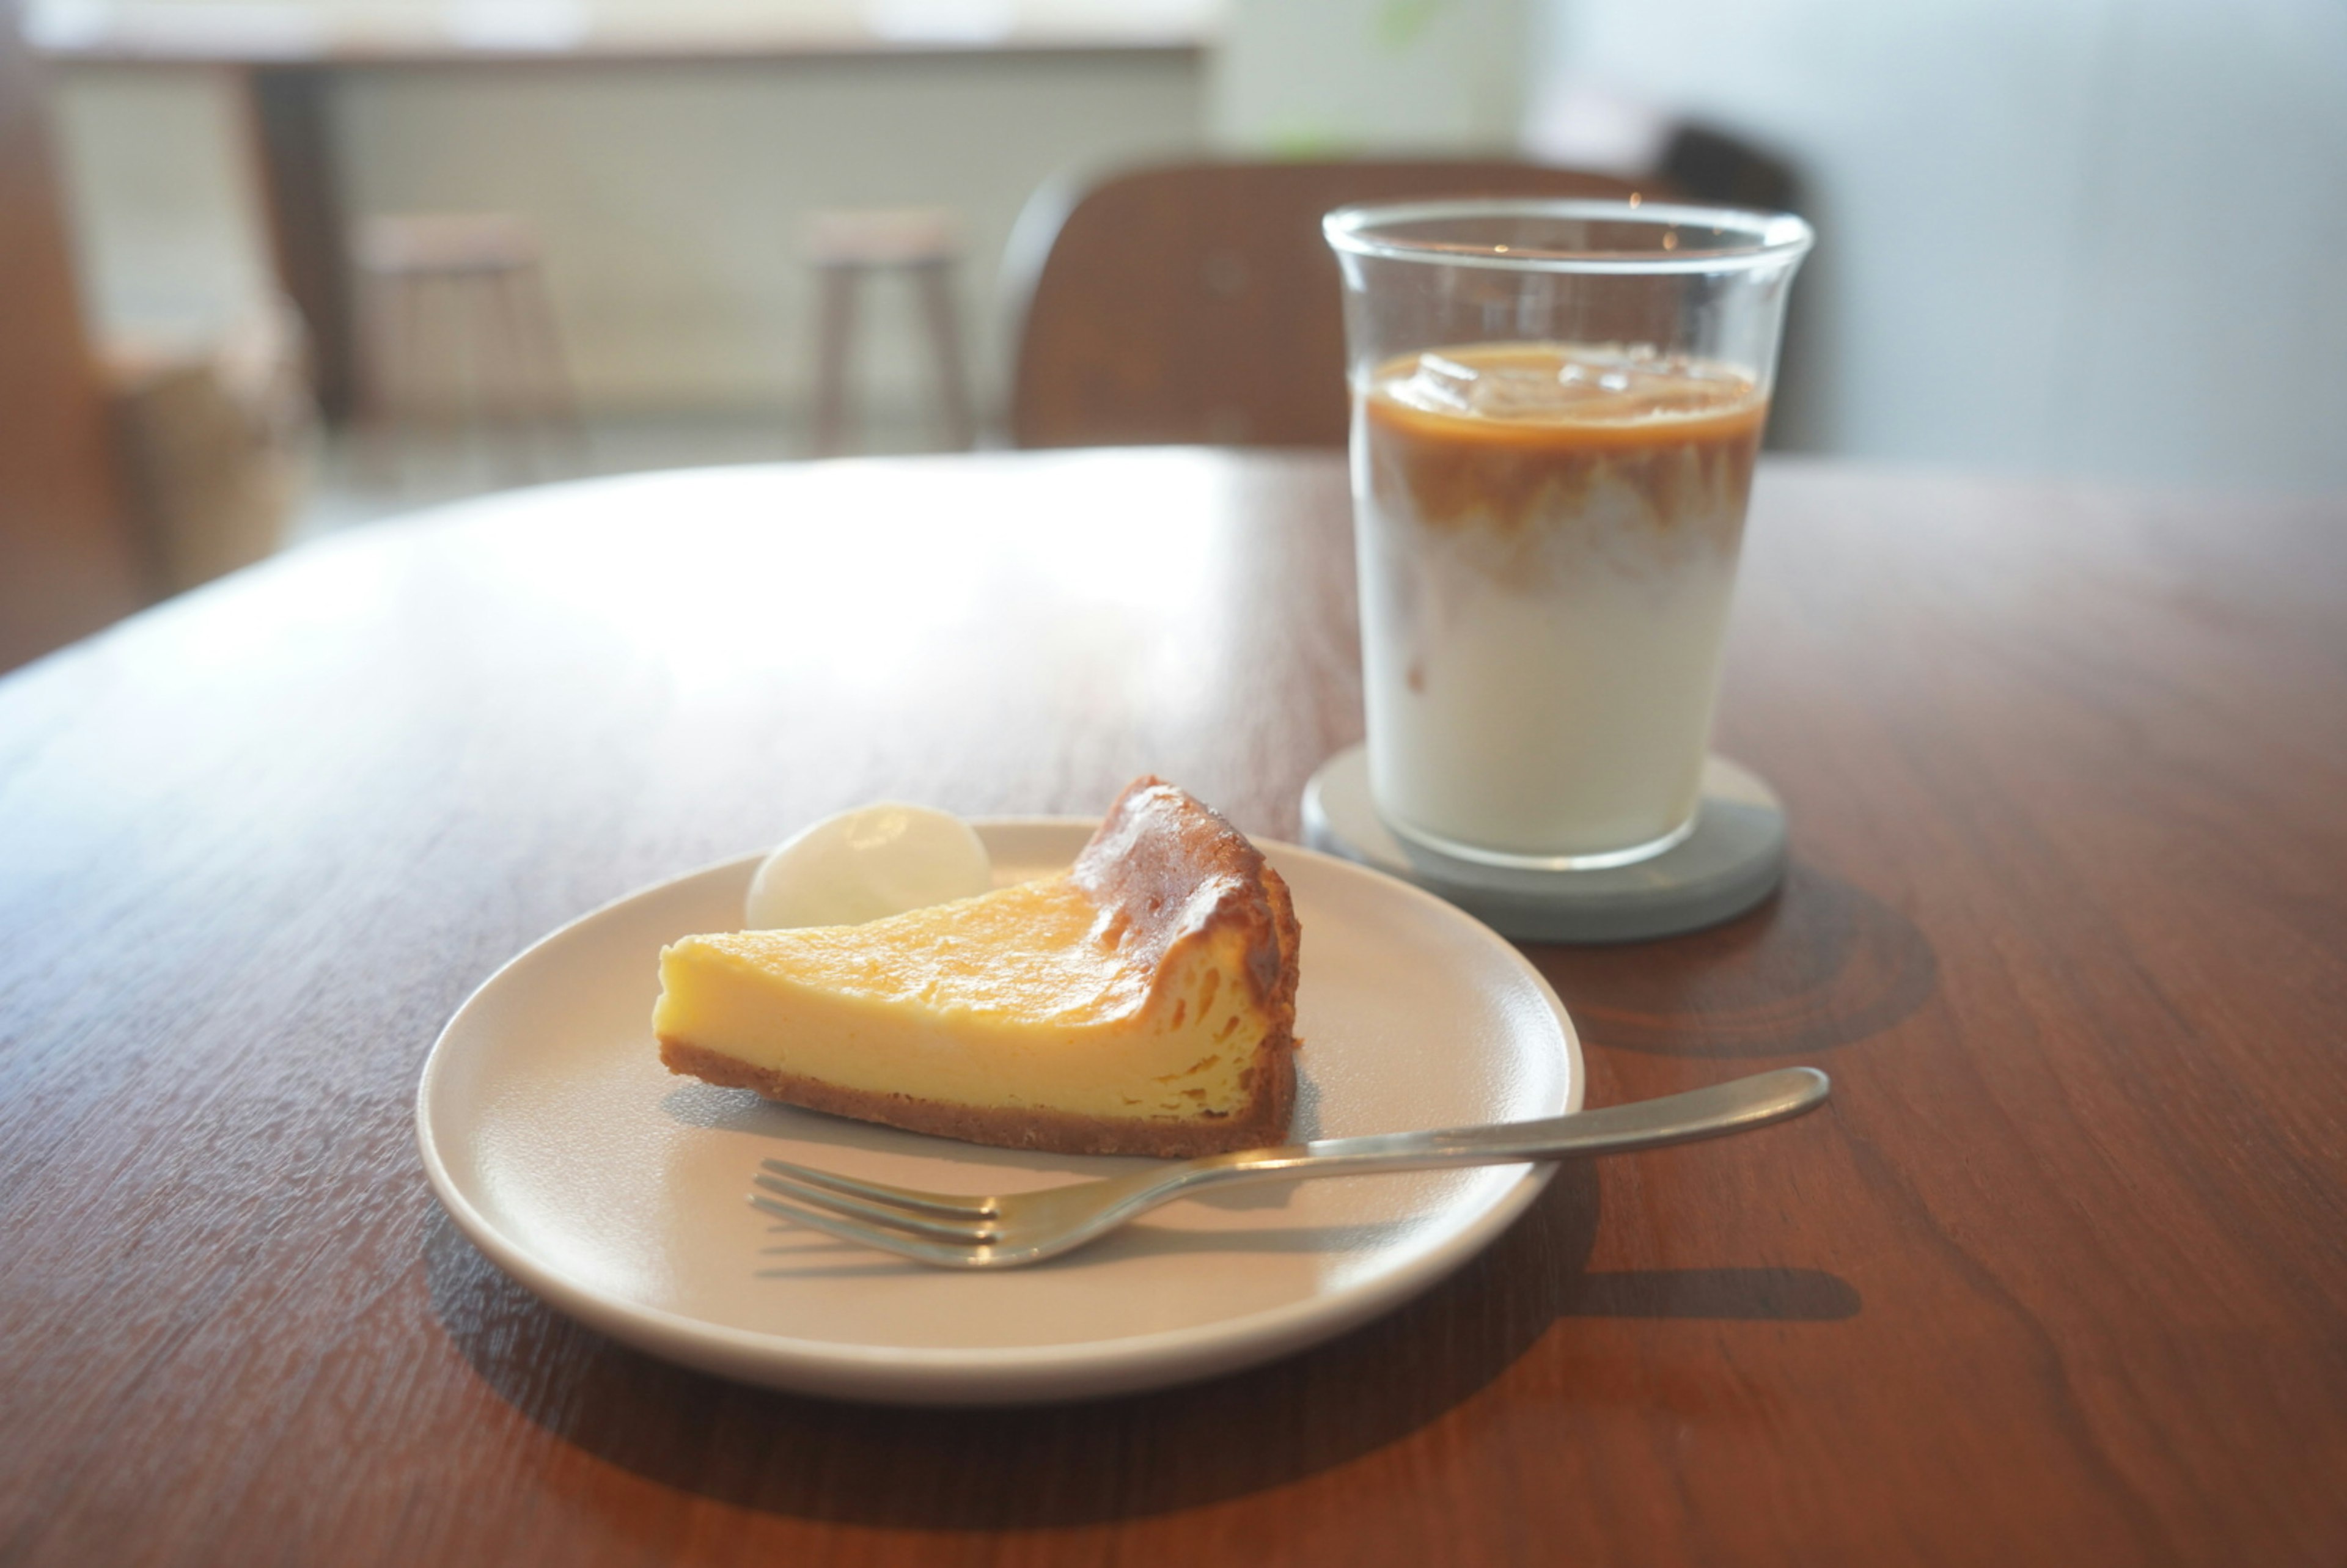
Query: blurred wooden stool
[[845, 246], [215, 440], [456, 323]]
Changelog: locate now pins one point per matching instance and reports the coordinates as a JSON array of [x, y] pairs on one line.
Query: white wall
[[2102, 237], [166, 225], [1316, 77], [670, 195]]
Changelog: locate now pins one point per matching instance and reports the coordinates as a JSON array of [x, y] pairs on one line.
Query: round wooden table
[[2060, 1276]]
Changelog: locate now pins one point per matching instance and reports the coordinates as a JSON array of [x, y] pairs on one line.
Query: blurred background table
[[2059, 1276]]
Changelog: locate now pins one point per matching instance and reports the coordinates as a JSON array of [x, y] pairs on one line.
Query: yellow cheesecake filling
[[1018, 999]]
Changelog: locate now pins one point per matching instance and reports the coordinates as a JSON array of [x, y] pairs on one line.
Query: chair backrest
[[1198, 302]]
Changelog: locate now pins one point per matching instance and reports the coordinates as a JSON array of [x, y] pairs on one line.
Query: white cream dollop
[[868, 864]]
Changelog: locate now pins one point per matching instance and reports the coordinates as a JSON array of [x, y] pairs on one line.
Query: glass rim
[[1765, 239]]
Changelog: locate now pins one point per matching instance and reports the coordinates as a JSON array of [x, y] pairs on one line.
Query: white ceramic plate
[[618, 1191]]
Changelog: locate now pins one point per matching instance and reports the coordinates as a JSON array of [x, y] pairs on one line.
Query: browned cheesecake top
[[1168, 871]]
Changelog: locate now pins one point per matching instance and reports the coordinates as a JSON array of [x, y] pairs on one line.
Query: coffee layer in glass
[[1548, 537]]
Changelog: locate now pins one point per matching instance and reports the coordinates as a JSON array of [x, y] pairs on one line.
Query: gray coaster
[[1730, 862]]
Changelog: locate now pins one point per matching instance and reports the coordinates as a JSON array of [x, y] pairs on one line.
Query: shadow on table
[[1075, 1464], [1821, 965]]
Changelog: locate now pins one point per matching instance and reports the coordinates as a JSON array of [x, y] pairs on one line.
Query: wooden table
[[2059, 1277]]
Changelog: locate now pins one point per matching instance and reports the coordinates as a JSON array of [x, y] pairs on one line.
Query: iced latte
[[1548, 536]]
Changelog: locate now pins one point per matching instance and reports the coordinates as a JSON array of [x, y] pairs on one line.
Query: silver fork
[[957, 1232]]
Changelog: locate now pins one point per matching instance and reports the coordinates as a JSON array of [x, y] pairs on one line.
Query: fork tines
[[852, 1206]]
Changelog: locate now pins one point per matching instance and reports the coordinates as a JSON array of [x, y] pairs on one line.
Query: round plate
[[618, 1193]]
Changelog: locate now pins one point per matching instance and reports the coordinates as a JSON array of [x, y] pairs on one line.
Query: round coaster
[[1731, 861]]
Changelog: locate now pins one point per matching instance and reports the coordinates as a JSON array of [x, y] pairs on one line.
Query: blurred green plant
[[1402, 23]]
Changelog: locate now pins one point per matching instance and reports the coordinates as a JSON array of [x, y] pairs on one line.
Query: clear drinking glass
[[1555, 410]]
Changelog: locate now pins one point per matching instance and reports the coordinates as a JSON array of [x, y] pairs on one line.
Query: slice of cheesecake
[[1142, 1002]]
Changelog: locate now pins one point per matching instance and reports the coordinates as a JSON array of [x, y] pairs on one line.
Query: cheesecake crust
[[1271, 1079]]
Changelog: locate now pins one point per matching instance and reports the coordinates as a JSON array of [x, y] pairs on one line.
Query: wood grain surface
[[2059, 1277]]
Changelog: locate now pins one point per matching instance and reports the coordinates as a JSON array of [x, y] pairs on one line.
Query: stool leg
[[834, 325], [468, 326], [381, 302], [502, 376], [935, 281], [413, 328], [553, 397], [442, 380]]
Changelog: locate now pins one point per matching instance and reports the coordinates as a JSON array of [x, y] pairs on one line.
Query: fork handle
[[1714, 1111]]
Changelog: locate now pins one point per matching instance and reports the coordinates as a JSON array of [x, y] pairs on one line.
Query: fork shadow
[[1079, 1463], [807, 1254]]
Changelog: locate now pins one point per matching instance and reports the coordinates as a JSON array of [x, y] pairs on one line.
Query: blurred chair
[[1715, 166], [457, 325], [846, 247], [1198, 302]]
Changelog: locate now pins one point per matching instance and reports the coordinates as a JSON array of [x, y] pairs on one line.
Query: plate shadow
[[1126, 1457]]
